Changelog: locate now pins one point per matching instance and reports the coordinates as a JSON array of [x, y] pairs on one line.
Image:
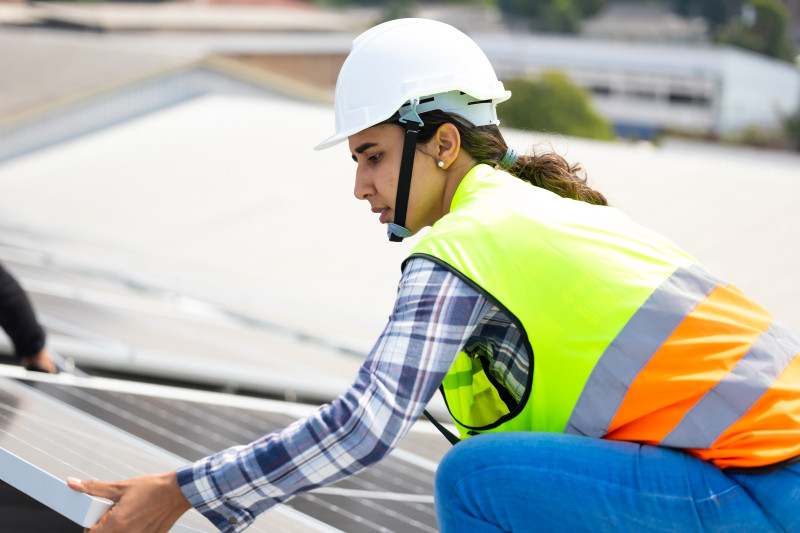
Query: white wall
[[744, 89], [756, 91]]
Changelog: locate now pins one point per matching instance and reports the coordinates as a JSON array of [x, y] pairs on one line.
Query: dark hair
[[485, 144]]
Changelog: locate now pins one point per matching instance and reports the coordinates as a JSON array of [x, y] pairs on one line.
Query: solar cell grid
[[362, 514], [65, 443], [130, 322], [375, 499]]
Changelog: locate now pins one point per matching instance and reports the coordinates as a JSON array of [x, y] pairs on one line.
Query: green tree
[[552, 103], [549, 15], [397, 9], [792, 130], [716, 12], [765, 32], [389, 9]]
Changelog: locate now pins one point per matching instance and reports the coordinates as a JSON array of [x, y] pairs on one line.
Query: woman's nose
[[363, 188]]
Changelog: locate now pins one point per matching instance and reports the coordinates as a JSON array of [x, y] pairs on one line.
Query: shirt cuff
[[198, 486]]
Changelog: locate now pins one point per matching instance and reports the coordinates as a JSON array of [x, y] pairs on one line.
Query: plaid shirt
[[435, 315]]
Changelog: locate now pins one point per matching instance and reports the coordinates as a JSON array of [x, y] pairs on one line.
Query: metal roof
[[46, 70], [180, 16]]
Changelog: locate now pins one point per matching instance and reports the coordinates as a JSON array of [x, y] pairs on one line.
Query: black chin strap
[[397, 230]]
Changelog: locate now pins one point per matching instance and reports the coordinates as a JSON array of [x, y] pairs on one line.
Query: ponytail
[[552, 172], [486, 145]]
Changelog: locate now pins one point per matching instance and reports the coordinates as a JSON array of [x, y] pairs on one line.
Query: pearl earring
[[440, 164]]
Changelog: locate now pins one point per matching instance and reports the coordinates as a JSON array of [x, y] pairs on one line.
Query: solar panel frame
[[83, 509]]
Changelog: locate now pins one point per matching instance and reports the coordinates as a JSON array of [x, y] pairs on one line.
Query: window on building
[[689, 99]]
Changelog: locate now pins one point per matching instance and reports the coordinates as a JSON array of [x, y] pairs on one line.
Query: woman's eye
[[374, 158]]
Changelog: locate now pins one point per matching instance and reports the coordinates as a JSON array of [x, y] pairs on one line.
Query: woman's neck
[[455, 173]]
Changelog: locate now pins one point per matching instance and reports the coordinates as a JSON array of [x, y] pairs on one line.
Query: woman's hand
[[148, 504]]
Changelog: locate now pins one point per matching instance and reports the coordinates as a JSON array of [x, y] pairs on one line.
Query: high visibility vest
[[627, 336]]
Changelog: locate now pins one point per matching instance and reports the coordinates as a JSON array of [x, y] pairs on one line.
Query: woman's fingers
[[148, 504], [102, 489], [110, 491]]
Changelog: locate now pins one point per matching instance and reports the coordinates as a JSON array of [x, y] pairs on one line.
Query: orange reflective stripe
[[768, 433], [730, 399], [642, 336], [701, 351]]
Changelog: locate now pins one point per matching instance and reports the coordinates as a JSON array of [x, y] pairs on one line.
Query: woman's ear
[[446, 144]]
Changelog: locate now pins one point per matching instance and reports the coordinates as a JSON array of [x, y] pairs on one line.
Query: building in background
[[644, 22], [665, 84], [647, 88]]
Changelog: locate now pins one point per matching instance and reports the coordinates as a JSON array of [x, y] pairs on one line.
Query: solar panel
[[44, 441], [99, 319], [159, 428], [105, 324], [81, 508]]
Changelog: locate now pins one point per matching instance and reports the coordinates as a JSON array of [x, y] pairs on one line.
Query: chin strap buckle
[[396, 232]]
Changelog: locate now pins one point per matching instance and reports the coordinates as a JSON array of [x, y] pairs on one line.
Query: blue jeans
[[519, 482]]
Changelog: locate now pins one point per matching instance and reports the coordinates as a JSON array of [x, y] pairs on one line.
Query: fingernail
[[75, 482]]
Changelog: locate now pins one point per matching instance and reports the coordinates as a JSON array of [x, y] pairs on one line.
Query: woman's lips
[[384, 212]]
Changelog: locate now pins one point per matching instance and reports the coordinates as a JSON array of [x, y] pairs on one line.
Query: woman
[[600, 378]]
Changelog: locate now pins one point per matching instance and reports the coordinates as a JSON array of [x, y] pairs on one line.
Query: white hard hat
[[398, 61]]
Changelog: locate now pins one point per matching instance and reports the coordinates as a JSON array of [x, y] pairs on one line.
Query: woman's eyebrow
[[364, 146], [361, 149]]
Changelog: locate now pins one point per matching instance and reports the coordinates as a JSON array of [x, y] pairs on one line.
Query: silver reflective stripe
[[731, 398], [637, 342]]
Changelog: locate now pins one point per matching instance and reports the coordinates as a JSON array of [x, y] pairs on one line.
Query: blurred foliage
[[757, 25], [765, 32], [792, 130], [387, 5], [552, 103], [759, 137], [717, 13], [398, 9], [563, 16], [389, 9]]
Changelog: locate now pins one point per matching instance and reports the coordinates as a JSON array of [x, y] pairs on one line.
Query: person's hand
[[40, 362], [148, 504]]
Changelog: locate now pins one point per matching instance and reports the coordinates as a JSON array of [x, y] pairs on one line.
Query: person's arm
[[434, 314], [18, 319]]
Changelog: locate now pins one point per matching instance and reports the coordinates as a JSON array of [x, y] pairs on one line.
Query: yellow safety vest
[[627, 337]]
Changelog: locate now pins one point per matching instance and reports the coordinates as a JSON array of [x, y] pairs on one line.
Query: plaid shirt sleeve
[[434, 314]]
